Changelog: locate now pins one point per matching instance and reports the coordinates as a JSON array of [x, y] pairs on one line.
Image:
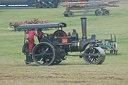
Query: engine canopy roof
[[41, 26]]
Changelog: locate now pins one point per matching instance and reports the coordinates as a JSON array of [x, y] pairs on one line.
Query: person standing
[[31, 33], [40, 33]]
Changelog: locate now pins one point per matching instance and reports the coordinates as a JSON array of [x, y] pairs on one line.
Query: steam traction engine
[[53, 48]]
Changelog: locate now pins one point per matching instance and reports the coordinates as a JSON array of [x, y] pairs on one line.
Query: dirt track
[[64, 75]]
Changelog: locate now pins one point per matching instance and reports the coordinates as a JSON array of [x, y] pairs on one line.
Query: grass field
[[73, 71]]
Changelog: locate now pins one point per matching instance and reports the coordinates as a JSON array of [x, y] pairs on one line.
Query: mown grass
[[72, 71]]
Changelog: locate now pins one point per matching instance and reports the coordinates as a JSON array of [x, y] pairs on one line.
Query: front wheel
[[94, 55]]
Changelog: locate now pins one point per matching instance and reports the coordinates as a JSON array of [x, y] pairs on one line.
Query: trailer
[[98, 7]]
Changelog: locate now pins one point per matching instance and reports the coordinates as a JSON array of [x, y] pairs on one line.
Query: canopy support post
[[24, 36]]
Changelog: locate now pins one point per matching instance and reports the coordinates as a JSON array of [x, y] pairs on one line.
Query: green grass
[[72, 71]]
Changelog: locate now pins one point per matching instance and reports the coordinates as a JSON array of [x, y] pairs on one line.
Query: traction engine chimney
[[84, 30]]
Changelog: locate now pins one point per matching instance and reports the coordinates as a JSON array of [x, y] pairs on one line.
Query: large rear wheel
[[44, 54], [94, 55]]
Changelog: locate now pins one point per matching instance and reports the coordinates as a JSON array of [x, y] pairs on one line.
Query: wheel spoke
[[41, 59], [37, 55], [93, 54], [46, 49], [42, 50], [49, 54]]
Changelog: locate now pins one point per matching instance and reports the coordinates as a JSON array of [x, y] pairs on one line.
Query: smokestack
[[84, 30]]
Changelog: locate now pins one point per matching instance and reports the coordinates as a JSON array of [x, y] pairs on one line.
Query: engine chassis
[[53, 48]]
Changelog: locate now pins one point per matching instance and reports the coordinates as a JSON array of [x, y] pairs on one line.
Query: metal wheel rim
[[43, 54], [94, 59]]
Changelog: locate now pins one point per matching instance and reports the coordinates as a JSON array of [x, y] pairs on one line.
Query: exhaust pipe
[[84, 29]]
